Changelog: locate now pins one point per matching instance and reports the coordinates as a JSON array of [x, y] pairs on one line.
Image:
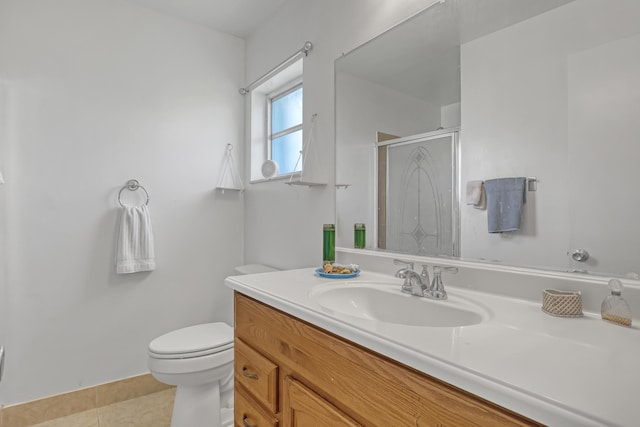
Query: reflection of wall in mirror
[[604, 102], [531, 103]]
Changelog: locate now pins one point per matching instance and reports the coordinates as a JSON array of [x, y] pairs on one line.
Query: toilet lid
[[192, 341]]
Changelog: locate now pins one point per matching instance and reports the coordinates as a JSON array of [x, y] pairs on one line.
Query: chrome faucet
[[414, 283], [418, 284]]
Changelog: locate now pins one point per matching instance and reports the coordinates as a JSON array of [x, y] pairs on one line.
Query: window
[[276, 123], [285, 130]]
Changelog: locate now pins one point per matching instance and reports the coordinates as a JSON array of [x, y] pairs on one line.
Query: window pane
[[286, 111], [285, 151]]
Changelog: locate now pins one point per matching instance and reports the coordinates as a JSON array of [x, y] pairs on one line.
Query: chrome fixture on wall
[[132, 185], [580, 255], [304, 51]]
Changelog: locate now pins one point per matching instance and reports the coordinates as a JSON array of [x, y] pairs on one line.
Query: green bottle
[[328, 243], [359, 236]]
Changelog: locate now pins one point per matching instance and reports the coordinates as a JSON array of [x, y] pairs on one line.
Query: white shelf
[[307, 183], [223, 189]]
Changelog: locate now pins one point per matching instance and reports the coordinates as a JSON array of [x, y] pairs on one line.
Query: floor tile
[[53, 407], [81, 419], [153, 410], [129, 388]]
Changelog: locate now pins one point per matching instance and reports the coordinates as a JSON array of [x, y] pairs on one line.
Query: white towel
[[475, 194], [134, 245]]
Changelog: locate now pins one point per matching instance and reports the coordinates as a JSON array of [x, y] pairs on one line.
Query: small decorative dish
[[321, 273]]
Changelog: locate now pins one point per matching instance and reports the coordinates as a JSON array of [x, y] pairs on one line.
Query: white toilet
[[199, 361]]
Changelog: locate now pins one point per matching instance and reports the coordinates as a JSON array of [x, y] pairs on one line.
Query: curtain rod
[[306, 48]]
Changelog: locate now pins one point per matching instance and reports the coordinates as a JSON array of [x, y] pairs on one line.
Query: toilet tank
[[254, 268]]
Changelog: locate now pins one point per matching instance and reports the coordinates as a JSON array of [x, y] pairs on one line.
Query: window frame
[[281, 92]]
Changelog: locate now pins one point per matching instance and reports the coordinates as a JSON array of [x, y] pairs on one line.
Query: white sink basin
[[384, 302]]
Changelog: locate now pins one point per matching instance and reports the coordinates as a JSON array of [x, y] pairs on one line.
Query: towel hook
[[132, 185]]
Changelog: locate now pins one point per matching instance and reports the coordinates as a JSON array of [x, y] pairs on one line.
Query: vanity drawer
[[257, 374], [246, 413]]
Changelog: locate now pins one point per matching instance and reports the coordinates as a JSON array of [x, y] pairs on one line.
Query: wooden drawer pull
[[249, 374], [245, 423]]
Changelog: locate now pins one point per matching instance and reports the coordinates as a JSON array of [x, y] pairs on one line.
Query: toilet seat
[[193, 341]]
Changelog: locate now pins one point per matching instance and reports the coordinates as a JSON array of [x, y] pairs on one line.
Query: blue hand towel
[[505, 199]]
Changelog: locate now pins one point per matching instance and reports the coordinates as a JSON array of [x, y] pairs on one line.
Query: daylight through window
[[285, 135]]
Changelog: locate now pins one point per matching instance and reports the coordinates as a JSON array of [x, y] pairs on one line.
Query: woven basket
[[562, 303]]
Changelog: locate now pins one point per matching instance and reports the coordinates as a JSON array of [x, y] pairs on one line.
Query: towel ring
[[133, 185]]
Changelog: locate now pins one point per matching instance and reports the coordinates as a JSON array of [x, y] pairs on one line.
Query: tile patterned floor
[[152, 410]]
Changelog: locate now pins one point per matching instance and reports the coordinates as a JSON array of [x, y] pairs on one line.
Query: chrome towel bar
[[133, 185]]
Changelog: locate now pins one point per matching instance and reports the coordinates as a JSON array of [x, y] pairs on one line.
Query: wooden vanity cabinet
[[255, 387], [321, 379], [304, 408], [248, 412]]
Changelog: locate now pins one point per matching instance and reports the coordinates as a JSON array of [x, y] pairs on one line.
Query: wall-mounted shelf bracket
[[229, 177]]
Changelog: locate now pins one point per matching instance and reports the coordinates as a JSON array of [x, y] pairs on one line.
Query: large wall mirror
[[547, 89]]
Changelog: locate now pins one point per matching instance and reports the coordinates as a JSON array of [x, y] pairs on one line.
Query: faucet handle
[[436, 291], [409, 264]]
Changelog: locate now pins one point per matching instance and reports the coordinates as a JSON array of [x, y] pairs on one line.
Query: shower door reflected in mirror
[[418, 201]]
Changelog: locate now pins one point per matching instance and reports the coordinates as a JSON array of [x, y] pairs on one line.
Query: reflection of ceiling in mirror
[[427, 66]]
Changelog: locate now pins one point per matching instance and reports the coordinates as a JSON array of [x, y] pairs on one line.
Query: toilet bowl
[[199, 361]]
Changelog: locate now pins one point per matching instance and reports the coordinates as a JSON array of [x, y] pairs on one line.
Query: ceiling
[[237, 17]]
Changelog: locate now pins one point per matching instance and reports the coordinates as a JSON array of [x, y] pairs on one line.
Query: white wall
[[97, 92], [283, 224], [537, 106]]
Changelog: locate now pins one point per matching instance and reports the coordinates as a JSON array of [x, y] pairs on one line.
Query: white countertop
[[558, 371]]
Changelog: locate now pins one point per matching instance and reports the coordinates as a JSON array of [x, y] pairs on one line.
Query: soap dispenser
[[614, 308]]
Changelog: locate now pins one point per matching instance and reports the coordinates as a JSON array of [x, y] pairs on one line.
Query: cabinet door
[[304, 408]]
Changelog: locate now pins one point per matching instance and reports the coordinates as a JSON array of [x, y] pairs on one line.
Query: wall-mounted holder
[[307, 183], [133, 185], [308, 158], [229, 177]]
